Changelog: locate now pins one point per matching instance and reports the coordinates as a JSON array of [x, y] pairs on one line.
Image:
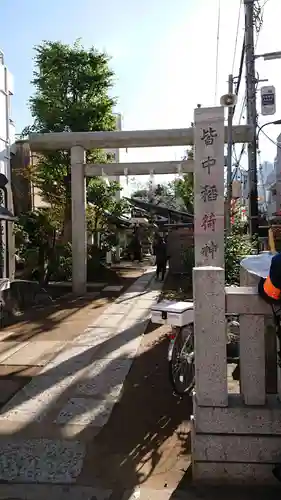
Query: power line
[[236, 37], [259, 14], [258, 25], [217, 51], [243, 103], [270, 139], [241, 67], [239, 78]]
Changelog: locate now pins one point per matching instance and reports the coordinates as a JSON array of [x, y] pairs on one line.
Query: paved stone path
[[45, 427], [104, 287]]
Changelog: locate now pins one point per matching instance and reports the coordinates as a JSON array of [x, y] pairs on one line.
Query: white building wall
[[7, 146], [277, 165], [7, 127], [273, 186]]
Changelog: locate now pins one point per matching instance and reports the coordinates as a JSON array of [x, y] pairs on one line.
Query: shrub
[[237, 246]]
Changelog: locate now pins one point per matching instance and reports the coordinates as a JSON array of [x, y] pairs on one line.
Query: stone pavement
[[45, 427]]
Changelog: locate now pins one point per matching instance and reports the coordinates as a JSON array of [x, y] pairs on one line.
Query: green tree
[[103, 204], [183, 190], [189, 154], [183, 187], [237, 246], [72, 87], [36, 241], [160, 194], [141, 194], [177, 195]]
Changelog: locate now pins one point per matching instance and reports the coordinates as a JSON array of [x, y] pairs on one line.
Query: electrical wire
[[236, 37], [237, 161], [260, 13], [217, 52], [241, 67], [277, 144], [239, 78], [258, 25]]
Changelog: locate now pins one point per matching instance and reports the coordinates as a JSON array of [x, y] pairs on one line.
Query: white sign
[[268, 100], [209, 186]]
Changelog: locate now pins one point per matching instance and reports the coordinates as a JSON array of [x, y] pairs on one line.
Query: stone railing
[[236, 437]]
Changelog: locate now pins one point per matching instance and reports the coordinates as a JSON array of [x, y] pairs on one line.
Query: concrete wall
[[179, 241], [20, 183], [26, 195], [236, 437]]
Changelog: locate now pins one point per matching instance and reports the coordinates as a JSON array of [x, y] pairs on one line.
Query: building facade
[[273, 186], [7, 126], [7, 144], [26, 196]]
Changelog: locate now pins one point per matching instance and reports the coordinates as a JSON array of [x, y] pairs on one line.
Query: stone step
[[223, 473], [236, 449], [75, 492], [54, 492], [40, 460], [237, 418]]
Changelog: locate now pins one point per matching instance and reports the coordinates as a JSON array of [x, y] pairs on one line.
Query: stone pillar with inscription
[[209, 186]]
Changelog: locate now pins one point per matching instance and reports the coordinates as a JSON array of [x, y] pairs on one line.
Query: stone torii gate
[[79, 142]]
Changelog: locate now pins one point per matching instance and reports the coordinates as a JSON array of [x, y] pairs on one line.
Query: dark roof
[[159, 209]]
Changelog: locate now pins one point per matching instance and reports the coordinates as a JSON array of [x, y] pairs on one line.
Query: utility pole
[[251, 115], [229, 157]]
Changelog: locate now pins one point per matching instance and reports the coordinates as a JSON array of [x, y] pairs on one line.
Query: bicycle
[[181, 359], [181, 351], [181, 355]]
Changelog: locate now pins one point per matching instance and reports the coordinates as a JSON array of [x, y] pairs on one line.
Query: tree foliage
[[161, 194], [183, 190], [72, 93], [36, 240], [103, 203], [237, 246], [177, 195], [72, 87]]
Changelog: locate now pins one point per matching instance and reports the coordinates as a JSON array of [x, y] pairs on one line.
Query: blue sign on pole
[[268, 103], [268, 99]]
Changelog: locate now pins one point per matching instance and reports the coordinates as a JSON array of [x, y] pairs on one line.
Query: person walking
[[161, 258]]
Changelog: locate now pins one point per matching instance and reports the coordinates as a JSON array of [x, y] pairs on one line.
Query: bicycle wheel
[[181, 361]]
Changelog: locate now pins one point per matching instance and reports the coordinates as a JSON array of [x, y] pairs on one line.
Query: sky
[[163, 55]]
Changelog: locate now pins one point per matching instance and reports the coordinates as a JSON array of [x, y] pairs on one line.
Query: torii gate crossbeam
[[79, 142]]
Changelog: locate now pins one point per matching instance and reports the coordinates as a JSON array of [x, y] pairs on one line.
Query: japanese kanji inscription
[[209, 186]]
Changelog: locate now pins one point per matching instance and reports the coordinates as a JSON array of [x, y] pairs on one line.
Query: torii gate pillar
[[78, 221]]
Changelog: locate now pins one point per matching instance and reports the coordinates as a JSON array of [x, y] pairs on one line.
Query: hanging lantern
[[179, 169], [151, 182], [126, 175], [105, 177]]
